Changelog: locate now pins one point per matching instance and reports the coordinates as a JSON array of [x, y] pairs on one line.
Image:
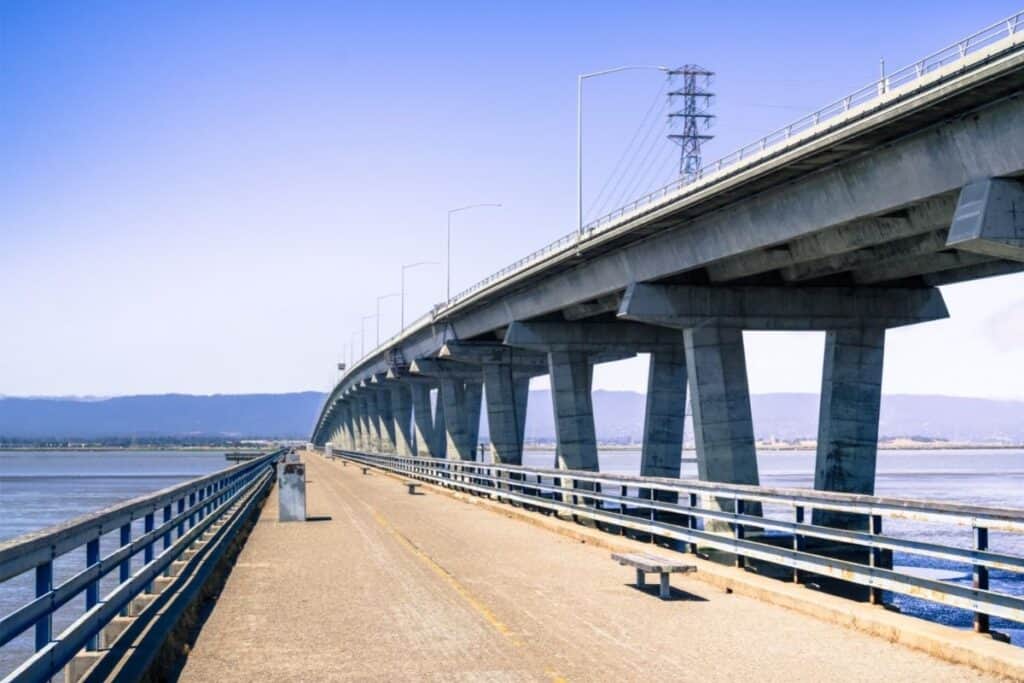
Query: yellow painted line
[[482, 609]]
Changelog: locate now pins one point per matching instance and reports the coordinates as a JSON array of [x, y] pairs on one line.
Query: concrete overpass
[[847, 222]]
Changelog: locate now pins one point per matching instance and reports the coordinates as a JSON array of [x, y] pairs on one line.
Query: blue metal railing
[[171, 521]]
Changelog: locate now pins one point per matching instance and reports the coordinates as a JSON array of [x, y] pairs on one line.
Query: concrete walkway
[[426, 587]]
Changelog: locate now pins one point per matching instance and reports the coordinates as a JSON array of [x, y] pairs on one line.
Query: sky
[[208, 197]]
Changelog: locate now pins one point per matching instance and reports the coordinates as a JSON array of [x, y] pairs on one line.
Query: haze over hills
[[618, 414]]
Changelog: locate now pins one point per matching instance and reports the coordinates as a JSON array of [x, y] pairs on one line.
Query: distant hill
[[239, 415], [619, 416]]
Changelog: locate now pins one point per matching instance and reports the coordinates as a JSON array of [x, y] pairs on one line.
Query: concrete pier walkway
[[391, 586]]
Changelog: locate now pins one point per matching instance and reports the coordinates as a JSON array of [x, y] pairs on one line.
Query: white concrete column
[[571, 377], [722, 423], [506, 412], [851, 396], [666, 411], [385, 420], [372, 421], [401, 410], [462, 402]]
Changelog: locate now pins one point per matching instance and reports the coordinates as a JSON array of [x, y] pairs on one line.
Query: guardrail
[[729, 518], [171, 521], [876, 93]]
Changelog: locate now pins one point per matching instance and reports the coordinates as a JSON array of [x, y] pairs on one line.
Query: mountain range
[[618, 416]]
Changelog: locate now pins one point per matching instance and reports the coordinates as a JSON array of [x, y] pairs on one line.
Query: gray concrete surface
[[400, 587]]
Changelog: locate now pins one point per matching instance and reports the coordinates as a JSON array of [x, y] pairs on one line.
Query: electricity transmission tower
[[692, 117]]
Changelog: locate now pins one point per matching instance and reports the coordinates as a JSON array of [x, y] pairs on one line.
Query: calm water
[[38, 489], [42, 488]]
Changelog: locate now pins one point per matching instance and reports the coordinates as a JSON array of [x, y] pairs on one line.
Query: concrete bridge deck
[[426, 587]]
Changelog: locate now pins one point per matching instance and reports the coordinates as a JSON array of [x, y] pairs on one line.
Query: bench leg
[[665, 590], [640, 578]]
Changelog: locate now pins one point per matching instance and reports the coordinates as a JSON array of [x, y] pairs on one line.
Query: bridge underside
[[850, 234]]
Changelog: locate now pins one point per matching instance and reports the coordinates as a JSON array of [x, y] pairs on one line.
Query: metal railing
[[875, 94], [773, 527], [171, 521]]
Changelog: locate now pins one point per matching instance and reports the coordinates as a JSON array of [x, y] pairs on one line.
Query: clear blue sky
[[206, 197]]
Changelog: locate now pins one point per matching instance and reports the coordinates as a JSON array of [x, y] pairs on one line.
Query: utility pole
[[692, 117]]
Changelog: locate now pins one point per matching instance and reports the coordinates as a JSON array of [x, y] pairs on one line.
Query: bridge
[[847, 221]]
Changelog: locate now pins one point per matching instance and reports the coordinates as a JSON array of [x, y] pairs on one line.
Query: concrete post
[[506, 412], [362, 424], [385, 420], [571, 378], [722, 423], [372, 422], [350, 420], [423, 421], [439, 442], [462, 401], [401, 409], [357, 409], [851, 395], [666, 411]]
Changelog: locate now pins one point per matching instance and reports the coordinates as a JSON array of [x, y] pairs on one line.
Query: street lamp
[[448, 268], [406, 267], [579, 132], [362, 328], [379, 299]]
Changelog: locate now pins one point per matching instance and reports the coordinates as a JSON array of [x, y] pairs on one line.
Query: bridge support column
[[571, 379], [851, 395], [506, 412], [666, 411], [722, 422], [423, 421], [385, 420], [462, 401], [372, 422], [350, 425], [401, 409], [358, 423]]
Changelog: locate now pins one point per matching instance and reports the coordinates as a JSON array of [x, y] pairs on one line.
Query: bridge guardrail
[[726, 518], [186, 512]]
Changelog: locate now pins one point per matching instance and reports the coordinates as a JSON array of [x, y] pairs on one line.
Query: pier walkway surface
[[388, 585]]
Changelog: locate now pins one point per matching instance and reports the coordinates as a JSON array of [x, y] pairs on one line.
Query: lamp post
[[448, 268], [362, 328], [379, 299], [579, 132], [406, 267]]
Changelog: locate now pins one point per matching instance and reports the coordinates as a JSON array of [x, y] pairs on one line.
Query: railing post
[[691, 522], [191, 510], [875, 557], [181, 519], [124, 569], [622, 508], [738, 532], [92, 590], [798, 540], [44, 584], [981, 620], [148, 525], [166, 519]]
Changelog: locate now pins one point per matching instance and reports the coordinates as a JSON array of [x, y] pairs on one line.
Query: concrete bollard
[[291, 495]]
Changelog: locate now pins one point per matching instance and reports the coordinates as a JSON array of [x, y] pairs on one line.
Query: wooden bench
[[412, 487], [648, 563]]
